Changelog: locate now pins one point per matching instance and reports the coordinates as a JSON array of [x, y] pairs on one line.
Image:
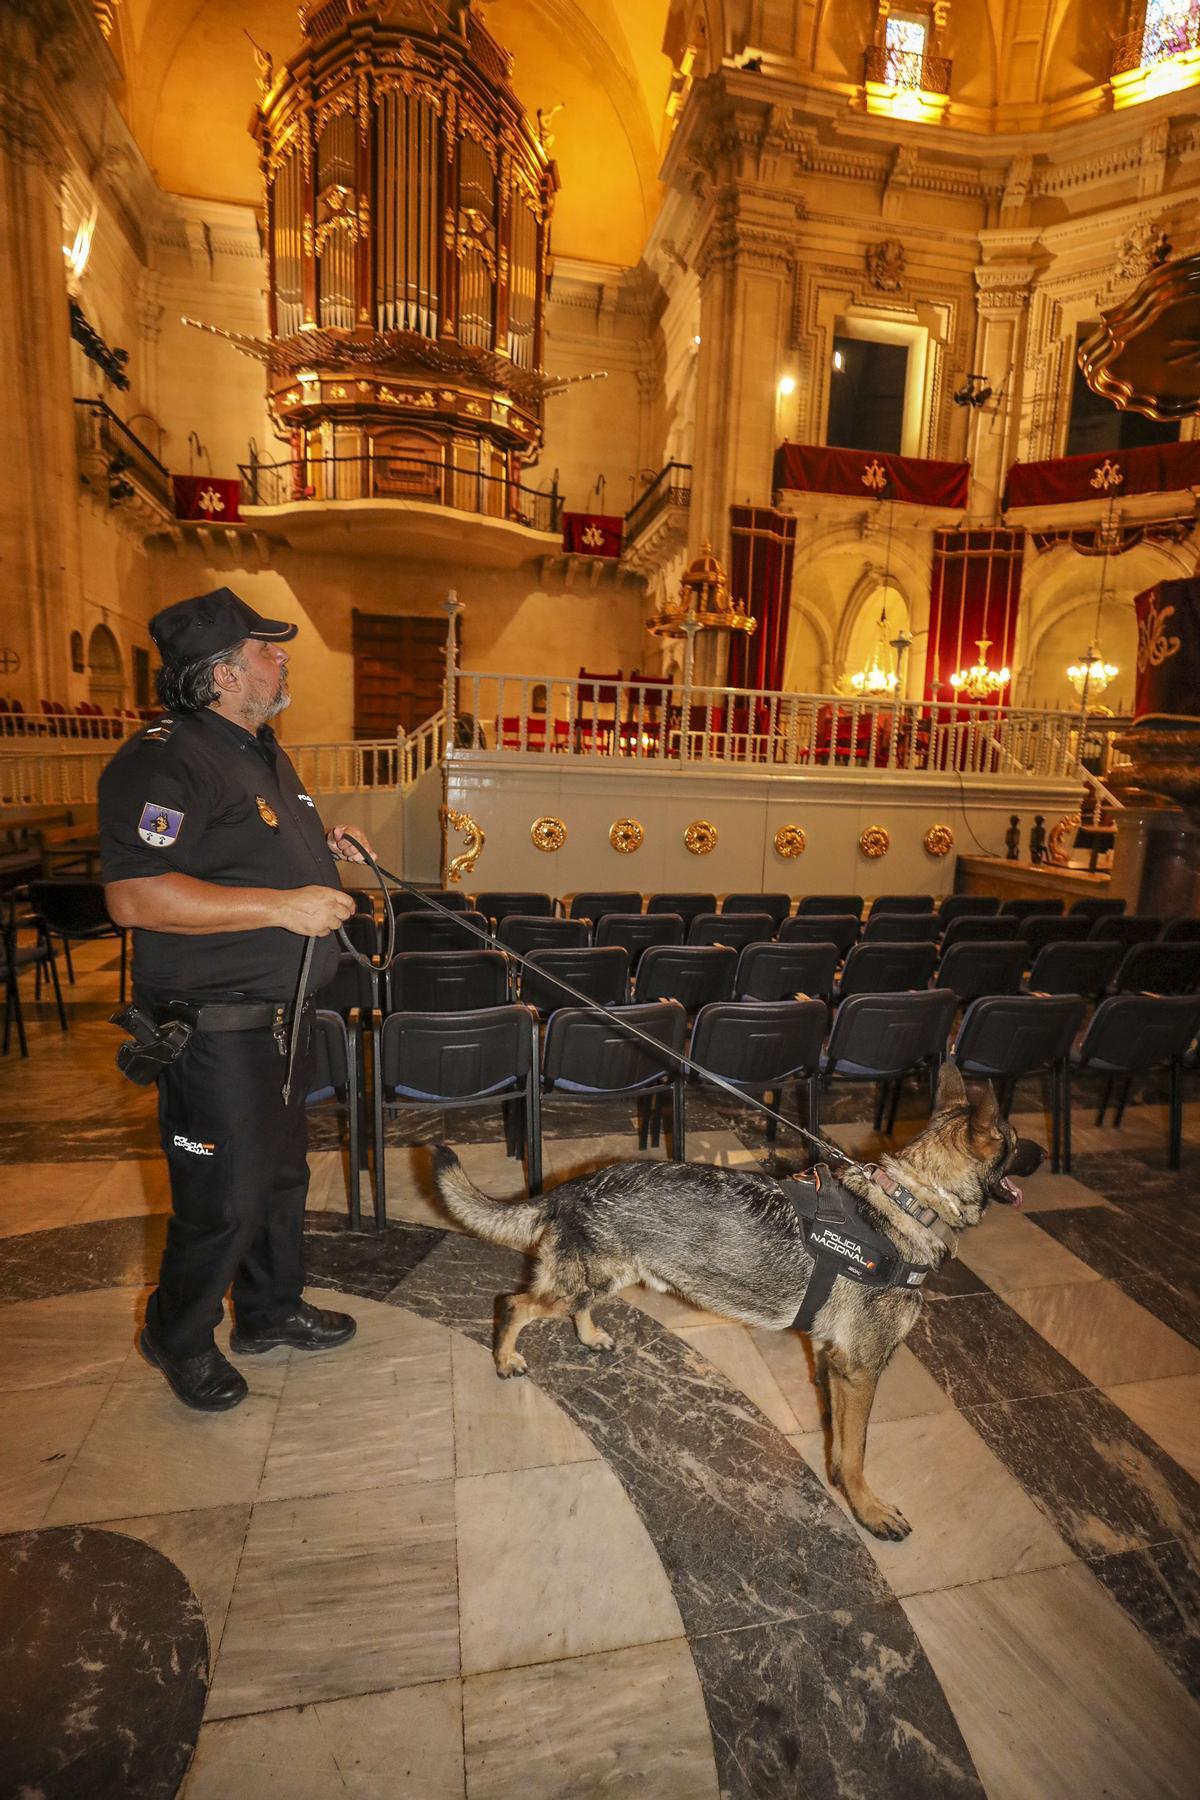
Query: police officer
[[214, 854]]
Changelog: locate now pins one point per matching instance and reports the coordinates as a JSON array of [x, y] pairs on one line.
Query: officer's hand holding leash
[[313, 912]]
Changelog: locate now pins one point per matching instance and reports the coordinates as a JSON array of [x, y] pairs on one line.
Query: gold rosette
[[791, 840], [548, 833], [874, 841], [939, 840], [626, 835], [700, 837]]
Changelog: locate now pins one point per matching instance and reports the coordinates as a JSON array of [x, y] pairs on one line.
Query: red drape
[[1151, 469], [1168, 662], [975, 593], [871, 475], [592, 534], [207, 497], [762, 551]]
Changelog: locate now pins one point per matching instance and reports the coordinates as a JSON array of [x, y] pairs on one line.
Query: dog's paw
[[512, 1364], [883, 1521], [602, 1342]]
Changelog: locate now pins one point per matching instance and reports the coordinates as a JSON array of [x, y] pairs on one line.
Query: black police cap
[[209, 623]]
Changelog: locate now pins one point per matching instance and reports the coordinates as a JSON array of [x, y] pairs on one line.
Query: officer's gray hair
[[189, 686]]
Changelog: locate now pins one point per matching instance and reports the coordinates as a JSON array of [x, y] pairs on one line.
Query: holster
[[151, 1049]]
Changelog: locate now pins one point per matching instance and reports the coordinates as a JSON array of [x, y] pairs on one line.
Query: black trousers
[[239, 1179]]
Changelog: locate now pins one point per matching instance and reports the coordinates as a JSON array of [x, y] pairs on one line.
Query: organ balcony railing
[[914, 70], [117, 465], [375, 476], [1145, 47], [672, 486]]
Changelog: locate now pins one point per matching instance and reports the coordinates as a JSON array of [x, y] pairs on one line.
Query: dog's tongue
[[1015, 1196]]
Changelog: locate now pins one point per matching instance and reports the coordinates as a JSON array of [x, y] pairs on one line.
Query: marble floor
[[388, 1574]]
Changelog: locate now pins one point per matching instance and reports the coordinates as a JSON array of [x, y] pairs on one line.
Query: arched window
[[77, 664], [1170, 27]]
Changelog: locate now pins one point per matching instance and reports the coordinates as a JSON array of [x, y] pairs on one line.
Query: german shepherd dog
[[730, 1241]]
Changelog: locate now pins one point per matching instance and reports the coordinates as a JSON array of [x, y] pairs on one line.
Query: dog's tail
[[517, 1225]]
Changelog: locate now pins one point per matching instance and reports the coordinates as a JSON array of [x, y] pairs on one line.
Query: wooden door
[[399, 669]]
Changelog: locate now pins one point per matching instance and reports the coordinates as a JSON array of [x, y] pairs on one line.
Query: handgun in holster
[[152, 1048]]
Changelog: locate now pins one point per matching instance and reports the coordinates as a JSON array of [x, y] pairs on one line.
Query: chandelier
[[703, 603], [1091, 676], [980, 682], [875, 679]]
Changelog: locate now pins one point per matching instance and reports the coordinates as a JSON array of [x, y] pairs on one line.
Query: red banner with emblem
[[592, 534], [871, 475], [207, 497], [1150, 469], [1168, 661]]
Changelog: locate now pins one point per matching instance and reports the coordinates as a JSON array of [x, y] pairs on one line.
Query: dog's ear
[[951, 1088], [985, 1120]]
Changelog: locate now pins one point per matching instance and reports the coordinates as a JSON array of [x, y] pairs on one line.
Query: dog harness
[[841, 1242]]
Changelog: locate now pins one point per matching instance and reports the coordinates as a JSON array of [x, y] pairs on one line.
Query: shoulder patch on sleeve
[[159, 825], [160, 731]]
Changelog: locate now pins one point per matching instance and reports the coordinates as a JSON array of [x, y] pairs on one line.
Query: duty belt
[[841, 1242]]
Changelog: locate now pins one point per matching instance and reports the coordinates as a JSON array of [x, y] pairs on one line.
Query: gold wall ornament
[[874, 841], [474, 839], [939, 840], [626, 835], [790, 840], [700, 837], [1058, 849], [548, 833]]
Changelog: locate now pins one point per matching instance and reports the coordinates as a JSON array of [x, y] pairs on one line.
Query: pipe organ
[[408, 205]]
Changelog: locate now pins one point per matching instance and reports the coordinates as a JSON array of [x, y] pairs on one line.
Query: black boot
[[207, 1382], [307, 1328]]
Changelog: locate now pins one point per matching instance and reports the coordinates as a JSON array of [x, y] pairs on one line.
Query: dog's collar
[[900, 1196]]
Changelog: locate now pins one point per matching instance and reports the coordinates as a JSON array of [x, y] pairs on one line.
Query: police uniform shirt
[[195, 794]]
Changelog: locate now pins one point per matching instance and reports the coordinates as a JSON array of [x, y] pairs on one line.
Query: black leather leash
[[684, 1062]]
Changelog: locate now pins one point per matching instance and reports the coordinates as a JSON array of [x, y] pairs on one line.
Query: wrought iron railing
[[101, 434], [382, 477], [1146, 46], [657, 723], [672, 486], [912, 69]]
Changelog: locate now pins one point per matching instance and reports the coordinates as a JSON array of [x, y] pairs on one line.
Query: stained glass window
[[904, 45], [1171, 26]]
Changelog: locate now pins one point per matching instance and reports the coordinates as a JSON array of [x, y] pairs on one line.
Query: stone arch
[[106, 673]]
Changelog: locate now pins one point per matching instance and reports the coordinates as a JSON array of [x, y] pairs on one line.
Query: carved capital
[[1003, 288]]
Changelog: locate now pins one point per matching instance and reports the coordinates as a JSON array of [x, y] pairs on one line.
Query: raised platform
[[1025, 881]]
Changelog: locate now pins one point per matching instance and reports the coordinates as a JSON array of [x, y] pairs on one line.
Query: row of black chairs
[[39, 921], [501, 1056]]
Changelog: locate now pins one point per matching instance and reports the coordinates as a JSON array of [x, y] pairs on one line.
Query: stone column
[[39, 495], [1004, 292], [746, 267]]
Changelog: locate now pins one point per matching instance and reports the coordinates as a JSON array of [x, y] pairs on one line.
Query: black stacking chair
[[731, 928], [901, 903], [364, 900], [829, 903], [636, 931], [693, 974], [594, 906], [764, 1047], [1004, 1039], [352, 988], [886, 969], [1074, 969], [1030, 909], [486, 1057], [1041, 930], [12, 1002], [884, 1037], [446, 981], [785, 971], [973, 970], [337, 1076], [600, 972], [1133, 1034], [495, 906], [971, 930], [1159, 969], [589, 1056], [821, 928], [75, 912], [1089, 908], [449, 899], [777, 905], [685, 905], [901, 928], [967, 906], [430, 931], [18, 958], [523, 933], [1181, 931], [1126, 930]]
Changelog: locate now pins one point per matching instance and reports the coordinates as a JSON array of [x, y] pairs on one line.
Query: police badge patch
[[159, 825], [266, 812]]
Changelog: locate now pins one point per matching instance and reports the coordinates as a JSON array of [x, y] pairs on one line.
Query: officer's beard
[[267, 709]]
